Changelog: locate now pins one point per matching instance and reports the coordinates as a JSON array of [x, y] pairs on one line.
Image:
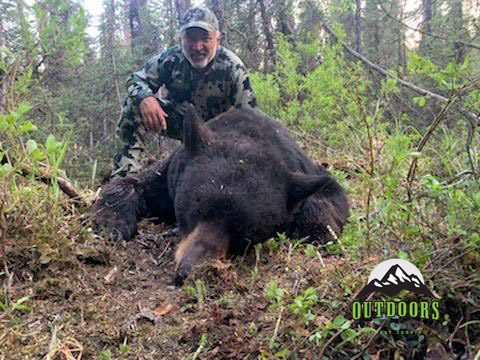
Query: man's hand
[[154, 118]]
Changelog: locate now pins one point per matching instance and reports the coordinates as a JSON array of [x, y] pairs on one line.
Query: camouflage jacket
[[225, 83]]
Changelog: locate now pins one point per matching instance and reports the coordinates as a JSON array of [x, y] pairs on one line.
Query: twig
[[3, 245], [451, 261], [457, 327], [277, 325], [329, 342], [436, 121], [365, 347], [459, 176], [468, 144], [371, 162], [52, 345]]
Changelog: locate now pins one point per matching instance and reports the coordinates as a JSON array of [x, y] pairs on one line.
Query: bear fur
[[236, 180]]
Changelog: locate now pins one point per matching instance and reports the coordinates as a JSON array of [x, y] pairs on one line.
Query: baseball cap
[[201, 17]]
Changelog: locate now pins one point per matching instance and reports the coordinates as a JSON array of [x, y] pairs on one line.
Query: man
[[199, 71]]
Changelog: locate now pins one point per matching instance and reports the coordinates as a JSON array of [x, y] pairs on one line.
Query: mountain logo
[[389, 278], [392, 276]]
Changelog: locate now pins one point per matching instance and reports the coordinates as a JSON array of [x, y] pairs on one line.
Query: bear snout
[[205, 242]]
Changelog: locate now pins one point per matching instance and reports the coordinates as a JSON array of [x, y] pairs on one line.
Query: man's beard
[[198, 64]]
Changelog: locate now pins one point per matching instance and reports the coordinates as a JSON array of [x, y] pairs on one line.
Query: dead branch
[[468, 144], [45, 175], [436, 121], [475, 83], [460, 176]]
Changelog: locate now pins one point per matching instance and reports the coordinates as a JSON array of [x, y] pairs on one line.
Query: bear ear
[[195, 133], [301, 186]]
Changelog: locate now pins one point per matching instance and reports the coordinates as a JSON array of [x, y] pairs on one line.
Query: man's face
[[199, 46]]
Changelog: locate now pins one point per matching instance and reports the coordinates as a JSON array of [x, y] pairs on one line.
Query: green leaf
[[339, 320], [31, 146], [283, 354], [420, 101], [3, 122], [105, 355], [26, 127], [20, 304], [346, 325], [273, 292], [310, 250], [23, 108], [124, 349], [5, 169], [390, 86], [37, 155], [52, 145], [311, 295]]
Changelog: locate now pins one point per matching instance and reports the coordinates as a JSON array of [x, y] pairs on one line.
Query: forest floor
[[94, 299], [117, 301]]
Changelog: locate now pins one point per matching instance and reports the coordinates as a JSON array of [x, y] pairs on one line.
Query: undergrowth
[[286, 299]]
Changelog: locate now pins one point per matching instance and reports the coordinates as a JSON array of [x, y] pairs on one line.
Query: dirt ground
[[117, 301]]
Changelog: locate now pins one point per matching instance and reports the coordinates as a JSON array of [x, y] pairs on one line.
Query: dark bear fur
[[236, 180]]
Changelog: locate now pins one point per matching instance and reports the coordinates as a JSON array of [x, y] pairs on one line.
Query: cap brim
[[198, 24]]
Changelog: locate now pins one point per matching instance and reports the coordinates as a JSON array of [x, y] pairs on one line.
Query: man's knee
[[129, 123]]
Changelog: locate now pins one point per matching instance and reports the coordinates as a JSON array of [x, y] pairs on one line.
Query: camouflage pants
[[130, 157]]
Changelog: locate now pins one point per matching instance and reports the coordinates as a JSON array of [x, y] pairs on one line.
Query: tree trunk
[[134, 20], [182, 6], [427, 9], [2, 73], [456, 14], [172, 23], [373, 32], [252, 38], [110, 52], [126, 25], [427, 14], [218, 7], [269, 59], [401, 47], [285, 20], [358, 29]]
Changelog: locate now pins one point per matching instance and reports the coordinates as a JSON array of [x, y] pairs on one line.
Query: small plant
[[105, 355], [310, 251], [272, 245], [202, 344], [274, 294], [17, 305], [199, 291], [302, 305], [124, 349], [228, 300]]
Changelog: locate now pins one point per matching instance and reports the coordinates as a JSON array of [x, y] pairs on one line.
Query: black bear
[[236, 180]]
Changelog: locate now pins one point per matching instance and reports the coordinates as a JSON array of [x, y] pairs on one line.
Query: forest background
[[385, 93]]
